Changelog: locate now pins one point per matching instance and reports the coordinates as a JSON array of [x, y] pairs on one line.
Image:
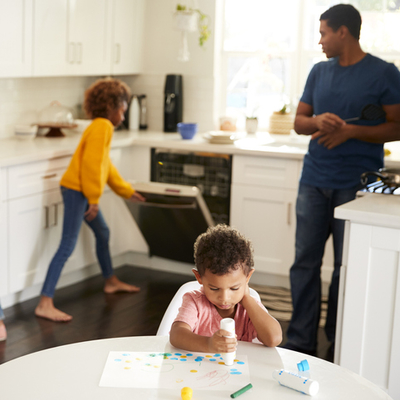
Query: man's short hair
[[343, 14]]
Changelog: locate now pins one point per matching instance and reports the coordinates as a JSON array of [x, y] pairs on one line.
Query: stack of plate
[[221, 137]]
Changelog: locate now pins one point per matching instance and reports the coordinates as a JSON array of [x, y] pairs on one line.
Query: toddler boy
[[224, 265]]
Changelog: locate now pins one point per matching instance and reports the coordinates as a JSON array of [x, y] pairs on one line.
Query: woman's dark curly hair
[[223, 249], [105, 95]]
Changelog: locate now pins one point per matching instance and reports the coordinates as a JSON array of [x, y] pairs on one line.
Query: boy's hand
[[91, 212], [137, 197], [219, 343]]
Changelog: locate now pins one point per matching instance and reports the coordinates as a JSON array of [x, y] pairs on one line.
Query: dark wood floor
[[97, 315]]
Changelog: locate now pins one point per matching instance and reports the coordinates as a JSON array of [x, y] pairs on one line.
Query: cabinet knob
[[71, 52]]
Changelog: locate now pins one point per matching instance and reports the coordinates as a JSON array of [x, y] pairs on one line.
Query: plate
[[223, 137]]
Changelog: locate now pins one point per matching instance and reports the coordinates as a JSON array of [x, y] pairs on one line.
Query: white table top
[[73, 372]]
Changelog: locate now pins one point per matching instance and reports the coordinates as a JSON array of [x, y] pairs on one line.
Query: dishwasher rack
[[209, 172]]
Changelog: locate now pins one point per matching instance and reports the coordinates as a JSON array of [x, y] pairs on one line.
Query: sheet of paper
[[173, 371]]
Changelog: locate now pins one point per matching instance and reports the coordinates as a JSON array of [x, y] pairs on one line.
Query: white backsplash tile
[[22, 99]]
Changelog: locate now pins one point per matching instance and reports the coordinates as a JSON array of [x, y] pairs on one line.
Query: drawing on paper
[[173, 371]]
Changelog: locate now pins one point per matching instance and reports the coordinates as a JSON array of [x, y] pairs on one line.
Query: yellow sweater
[[91, 168]]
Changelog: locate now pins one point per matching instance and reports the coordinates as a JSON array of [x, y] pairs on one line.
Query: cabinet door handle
[[55, 214], [71, 53], [46, 213], [49, 176], [289, 213], [117, 53], [79, 51]]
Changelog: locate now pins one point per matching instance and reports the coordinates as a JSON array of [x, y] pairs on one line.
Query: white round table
[[73, 372]]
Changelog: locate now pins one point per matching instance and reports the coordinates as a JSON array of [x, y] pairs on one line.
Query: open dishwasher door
[[171, 218]]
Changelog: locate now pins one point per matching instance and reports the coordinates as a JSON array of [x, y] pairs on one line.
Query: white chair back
[[173, 308]]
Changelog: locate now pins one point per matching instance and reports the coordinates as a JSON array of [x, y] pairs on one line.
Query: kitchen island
[[368, 330]]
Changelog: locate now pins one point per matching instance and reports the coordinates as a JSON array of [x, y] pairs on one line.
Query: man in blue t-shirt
[[338, 154]]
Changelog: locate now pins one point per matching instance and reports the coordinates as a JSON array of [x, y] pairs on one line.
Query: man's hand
[[91, 212], [328, 122], [219, 343], [334, 138]]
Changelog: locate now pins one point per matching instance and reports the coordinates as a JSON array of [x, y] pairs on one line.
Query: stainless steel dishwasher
[[171, 218], [209, 172]]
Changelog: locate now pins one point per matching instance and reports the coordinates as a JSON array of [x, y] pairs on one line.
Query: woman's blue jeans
[[315, 222], [75, 206]]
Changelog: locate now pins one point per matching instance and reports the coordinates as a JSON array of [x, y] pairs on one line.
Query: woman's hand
[[137, 197], [91, 212]]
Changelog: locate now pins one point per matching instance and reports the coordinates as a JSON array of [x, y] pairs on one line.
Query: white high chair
[[173, 308]]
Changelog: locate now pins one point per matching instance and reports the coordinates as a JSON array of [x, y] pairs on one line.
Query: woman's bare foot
[[46, 309], [114, 285], [3, 331]]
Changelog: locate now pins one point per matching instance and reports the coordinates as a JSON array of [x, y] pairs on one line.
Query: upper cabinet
[[70, 37], [15, 38], [127, 37]]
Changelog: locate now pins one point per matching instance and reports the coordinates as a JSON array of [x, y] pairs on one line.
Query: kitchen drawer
[[266, 171], [37, 177]]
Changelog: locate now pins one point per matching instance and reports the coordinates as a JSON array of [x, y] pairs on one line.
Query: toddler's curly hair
[[105, 95], [222, 249]]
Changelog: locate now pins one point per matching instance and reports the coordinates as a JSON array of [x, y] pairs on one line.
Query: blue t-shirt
[[345, 91]]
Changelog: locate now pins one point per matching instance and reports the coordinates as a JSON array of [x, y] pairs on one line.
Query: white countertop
[[17, 151], [372, 209]]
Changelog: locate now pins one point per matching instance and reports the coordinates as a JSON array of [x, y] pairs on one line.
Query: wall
[[162, 43]]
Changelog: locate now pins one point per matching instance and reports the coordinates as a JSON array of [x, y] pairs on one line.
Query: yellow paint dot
[[222, 363], [235, 360], [138, 359], [193, 370], [127, 368], [179, 380], [183, 356], [128, 361], [208, 356], [156, 366]]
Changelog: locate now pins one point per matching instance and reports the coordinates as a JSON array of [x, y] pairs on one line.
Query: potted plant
[[191, 19], [252, 122]]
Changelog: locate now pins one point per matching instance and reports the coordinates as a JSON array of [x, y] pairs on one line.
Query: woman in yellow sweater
[[82, 185]]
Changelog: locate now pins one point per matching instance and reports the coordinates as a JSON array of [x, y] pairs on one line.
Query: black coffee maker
[[173, 102]]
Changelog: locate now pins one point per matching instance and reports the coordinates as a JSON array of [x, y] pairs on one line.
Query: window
[[270, 47]]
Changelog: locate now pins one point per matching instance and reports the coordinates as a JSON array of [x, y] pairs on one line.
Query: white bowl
[[25, 131]]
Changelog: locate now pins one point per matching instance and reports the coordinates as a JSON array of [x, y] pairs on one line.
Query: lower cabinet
[[267, 217], [3, 249], [35, 224]]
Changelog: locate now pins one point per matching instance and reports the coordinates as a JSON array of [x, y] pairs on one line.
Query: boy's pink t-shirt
[[203, 317]]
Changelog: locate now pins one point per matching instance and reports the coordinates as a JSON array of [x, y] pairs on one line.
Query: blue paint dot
[[236, 373], [217, 355], [198, 359], [178, 354], [117, 359], [213, 359], [183, 359], [240, 362], [233, 369], [126, 354], [189, 355], [173, 358]]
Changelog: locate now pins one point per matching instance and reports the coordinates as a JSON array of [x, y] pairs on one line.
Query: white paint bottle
[[228, 324], [296, 382]]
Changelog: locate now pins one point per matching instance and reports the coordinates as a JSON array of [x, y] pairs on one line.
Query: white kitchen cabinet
[[127, 36], [3, 235], [263, 198], [34, 229], [369, 306], [15, 38], [71, 37], [266, 216]]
